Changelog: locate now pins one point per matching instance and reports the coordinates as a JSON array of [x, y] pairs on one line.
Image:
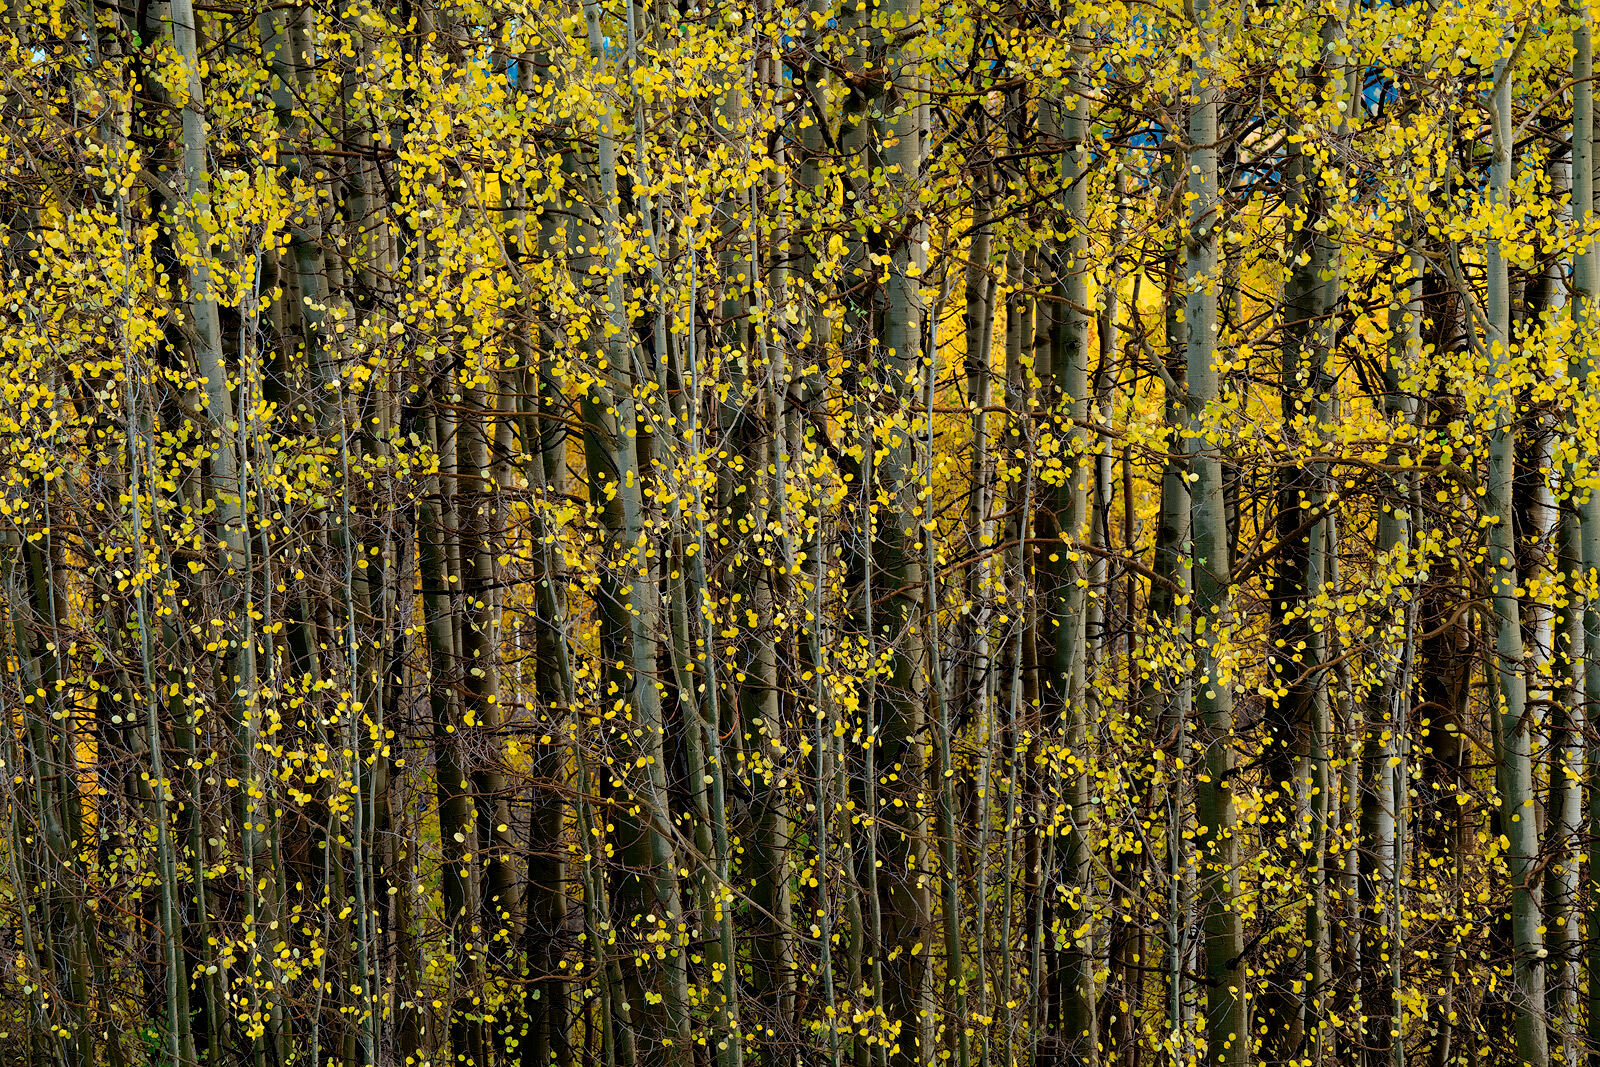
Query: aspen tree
[[1067, 686], [1585, 536], [1514, 772], [1228, 1039]]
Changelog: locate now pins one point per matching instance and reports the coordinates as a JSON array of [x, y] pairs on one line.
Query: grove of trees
[[866, 533]]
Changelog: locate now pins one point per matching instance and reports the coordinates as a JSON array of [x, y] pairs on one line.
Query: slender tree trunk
[[1228, 1038], [1065, 574], [1300, 716], [1584, 542], [903, 883], [1514, 772], [611, 437]]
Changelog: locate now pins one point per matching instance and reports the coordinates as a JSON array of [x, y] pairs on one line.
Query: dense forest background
[[615, 533]]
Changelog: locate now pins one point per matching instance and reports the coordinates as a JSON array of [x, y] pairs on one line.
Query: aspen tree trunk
[[769, 852], [978, 333], [825, 778], [236, 668], [615, 1035], [456, 817], [1514, 771], [179, 1034], [1310, 299], [1124, 955], [1377, 871], [694, 660], [14, 641], [955, 980], [1380, 866], [480, 477], [1015, 447], [285, 47], [1045, 849], [1584, 540], [1581, 552], [760, 694], [1537, 515], [1065, 567], [361, 677], [1382, 816], [1344, 871], [546, 894], [227, 489], [710, 769], [1318, 784], [1228, 1038], [867, 874], [1446, 655], [976, 674], [611, 434], [49, 746], [1166, 689], [1557, 630], [903, 882], [1565, 821], [1312, 785], [1019, 443]]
